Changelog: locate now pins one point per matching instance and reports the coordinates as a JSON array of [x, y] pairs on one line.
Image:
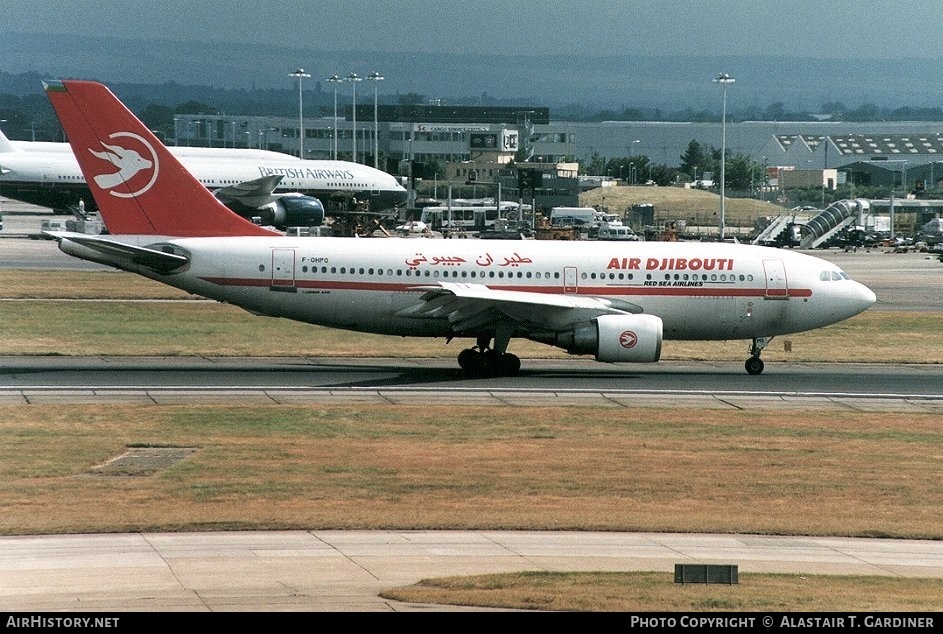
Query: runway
[[345, 570]]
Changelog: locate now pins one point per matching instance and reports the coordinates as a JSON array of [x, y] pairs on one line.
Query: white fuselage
[[706, 291], [47, 175]]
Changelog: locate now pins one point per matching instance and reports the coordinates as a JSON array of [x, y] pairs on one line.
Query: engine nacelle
[[614, 338], [292, 210]]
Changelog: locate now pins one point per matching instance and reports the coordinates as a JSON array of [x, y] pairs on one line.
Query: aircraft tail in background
[[139, 186], [6, 146]]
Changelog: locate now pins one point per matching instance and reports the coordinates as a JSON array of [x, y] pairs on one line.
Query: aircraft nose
[[861, 298]]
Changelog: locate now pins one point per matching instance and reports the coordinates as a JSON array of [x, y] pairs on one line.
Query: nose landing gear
[[754, 365]]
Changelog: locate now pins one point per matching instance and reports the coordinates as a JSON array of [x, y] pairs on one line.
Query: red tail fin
[[139, 186]]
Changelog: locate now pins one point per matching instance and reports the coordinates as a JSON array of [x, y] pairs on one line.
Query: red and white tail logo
[[129, 164], [139, 186]]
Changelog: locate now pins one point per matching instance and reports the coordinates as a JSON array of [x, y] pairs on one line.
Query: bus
[[471, 216]]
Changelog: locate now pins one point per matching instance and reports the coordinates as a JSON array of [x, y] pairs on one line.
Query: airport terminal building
[[464, 141]]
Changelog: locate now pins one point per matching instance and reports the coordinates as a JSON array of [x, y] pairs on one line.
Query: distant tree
[[663, 175], [195, 107], [410, 99], [741, 173], [631, 169], [157, 116], [695, 159], [596, 165], [864, 112], [907, 113], [835, 108], [775, 112]]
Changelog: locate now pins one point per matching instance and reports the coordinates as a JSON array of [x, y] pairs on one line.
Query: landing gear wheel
[[488, 362], [469, 359], [754, 365], [510, 364]]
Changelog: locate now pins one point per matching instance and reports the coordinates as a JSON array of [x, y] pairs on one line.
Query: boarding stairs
[[829, 222], [771, 234]]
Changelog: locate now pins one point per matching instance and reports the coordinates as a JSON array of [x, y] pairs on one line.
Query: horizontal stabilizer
[[116, 252]]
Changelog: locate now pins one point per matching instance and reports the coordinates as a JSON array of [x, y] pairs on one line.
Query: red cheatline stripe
[[595, 291]]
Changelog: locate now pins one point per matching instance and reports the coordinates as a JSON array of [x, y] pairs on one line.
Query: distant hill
[[670, 83]]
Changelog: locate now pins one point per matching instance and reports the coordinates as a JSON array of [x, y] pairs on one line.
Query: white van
[[579, 217], [616, 232]]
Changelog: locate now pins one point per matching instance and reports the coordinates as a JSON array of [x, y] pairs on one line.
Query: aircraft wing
[[254, 193], [472, 305], [158, 261]]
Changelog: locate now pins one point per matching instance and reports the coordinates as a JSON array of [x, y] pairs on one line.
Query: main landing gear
[[482, 360], [754, 364]]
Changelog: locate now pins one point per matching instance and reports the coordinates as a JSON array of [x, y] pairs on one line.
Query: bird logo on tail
[[129, 162]]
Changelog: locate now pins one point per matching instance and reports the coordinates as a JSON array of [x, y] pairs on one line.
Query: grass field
[[440, 467]]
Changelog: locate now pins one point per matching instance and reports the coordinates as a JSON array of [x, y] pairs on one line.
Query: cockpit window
[[833, 275]]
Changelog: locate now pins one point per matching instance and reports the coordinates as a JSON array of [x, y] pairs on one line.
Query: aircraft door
[[570, 284], [283, 268], [776, 285]]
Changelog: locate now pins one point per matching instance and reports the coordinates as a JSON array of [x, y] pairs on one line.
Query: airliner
[[47, 174], [616, 301]]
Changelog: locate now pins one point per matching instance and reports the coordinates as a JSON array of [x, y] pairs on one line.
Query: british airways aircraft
[[252, 182], [616, 301]]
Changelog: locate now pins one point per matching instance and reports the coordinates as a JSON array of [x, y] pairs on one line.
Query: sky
[[813, 28]]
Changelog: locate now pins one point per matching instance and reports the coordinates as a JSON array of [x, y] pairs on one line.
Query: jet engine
[[290, 210], [615, 338]]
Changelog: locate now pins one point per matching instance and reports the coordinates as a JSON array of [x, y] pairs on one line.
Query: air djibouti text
[[673, 264]]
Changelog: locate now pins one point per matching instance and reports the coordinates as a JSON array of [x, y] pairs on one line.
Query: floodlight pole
[[334, 79], [375, 77], [724, 80], [300, 74], [353, 78]]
